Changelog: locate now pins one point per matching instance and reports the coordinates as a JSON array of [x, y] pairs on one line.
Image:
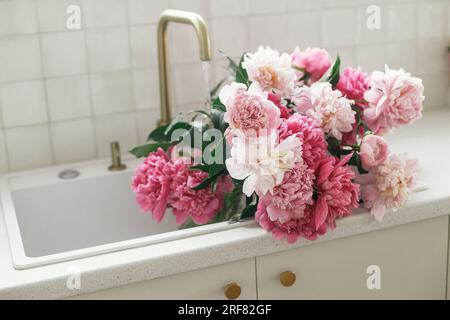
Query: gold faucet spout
[[201, 30]]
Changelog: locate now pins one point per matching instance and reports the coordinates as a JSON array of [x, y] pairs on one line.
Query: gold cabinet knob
[[287, 278], [232, 291]]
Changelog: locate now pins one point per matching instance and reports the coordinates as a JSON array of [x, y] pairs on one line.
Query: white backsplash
[[64, 95]]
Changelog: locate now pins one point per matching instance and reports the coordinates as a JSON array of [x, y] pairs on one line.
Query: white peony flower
[[262, 161], [271, 70]]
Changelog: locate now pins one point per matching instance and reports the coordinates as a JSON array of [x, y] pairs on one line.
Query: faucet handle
[[117, 164]]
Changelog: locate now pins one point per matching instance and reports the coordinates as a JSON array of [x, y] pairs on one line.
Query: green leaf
[[216, 169], [218, 121], [201, 167], [215, 90], [241, 73], [206, 183], [218, 105], [250, 209], [158, 134], [334, 146], [164, 133], [233, 66], [248, 212], [334, 76], [146, 149]]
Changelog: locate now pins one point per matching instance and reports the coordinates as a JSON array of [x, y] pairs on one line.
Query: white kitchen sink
[[50, 220]]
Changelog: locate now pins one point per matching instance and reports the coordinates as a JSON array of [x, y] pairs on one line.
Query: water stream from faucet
[[206, 79]]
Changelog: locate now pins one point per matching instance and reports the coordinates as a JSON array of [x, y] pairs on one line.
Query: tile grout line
[[89, 79], [131, 73], [44, 83]]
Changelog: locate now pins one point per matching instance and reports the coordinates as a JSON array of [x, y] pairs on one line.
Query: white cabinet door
[[208, 283], [412, 259]]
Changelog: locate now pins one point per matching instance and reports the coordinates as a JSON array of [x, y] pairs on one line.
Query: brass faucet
[[116, 160], [201, 30]]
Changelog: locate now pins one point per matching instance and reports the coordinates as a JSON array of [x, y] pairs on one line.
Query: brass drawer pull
[[232, 291], [287, 278]]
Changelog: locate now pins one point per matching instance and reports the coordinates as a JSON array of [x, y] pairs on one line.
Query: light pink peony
[[395, 99], [151, 183], [199, 205], [373, 151], [314, 61], [313, 140], [388, 185], [292, 229], [288, 200], [271, 70], [249, 111], [353, 83], [337, 194], [331, 111]]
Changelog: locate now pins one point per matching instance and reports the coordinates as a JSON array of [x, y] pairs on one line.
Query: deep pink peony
[[199, 205], [314, 61], [291, 230], [395, 99], [276, 99], [151, 183], [313, 140], [288, 200], [337, 194], [373, 151], [353, 83]]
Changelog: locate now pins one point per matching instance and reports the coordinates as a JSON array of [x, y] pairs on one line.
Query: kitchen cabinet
[[411, 261], [235, 279], [407, 262]]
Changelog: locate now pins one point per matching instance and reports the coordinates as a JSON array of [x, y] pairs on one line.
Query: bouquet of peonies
[[291, 142]]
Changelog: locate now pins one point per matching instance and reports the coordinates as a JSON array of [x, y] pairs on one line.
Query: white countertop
[[428, 140]]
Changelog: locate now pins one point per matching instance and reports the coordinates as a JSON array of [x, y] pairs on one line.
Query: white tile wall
[[18, 17], [20, 58], [68, 97], [73, 140], [66, 94], [50, 17], [29, 147], [112, 92], [64, 53], [23, 103], [108, 49]]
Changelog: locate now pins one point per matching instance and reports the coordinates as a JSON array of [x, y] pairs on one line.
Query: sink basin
[[50, 219]]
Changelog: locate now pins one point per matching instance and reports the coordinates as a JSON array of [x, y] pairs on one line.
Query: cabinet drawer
[[412, 259], [208, 283]]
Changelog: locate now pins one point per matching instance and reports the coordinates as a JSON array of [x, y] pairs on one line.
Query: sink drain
[[68, 174]]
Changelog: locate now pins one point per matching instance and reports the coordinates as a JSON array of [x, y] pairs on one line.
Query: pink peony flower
[[248, 111], [337, 194], [292, 229], [199, 205], [353, 83], [151, 183], [288, 200], [276, 99], [388, 185], [302, 99], [313, 140], [352, 136], [395, 99], [373, 151], [315, 62], [331, 111]]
